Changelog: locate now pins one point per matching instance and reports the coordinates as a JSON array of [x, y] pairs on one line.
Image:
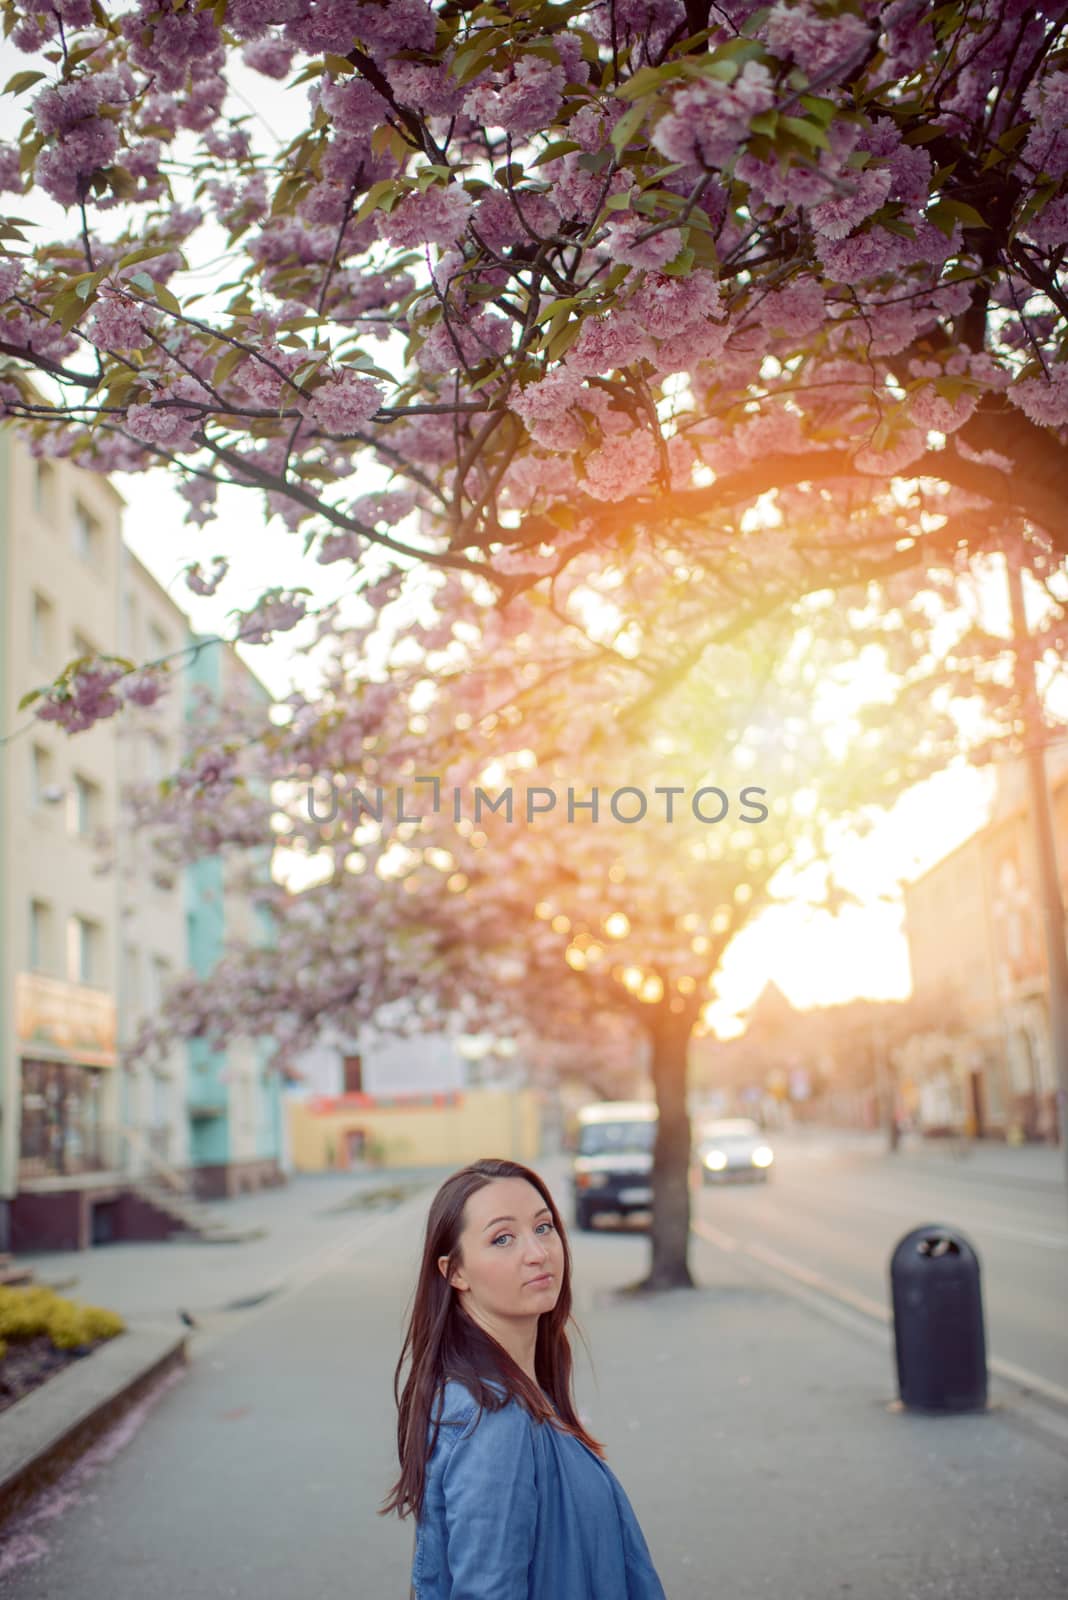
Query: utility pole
[[1041, 829]]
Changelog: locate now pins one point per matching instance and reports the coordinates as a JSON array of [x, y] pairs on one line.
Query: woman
[[512, 1497]]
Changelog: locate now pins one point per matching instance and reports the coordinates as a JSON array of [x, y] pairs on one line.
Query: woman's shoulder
[[458, 1402]]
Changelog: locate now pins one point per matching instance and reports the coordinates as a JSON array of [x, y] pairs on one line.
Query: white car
[[733, 1149]]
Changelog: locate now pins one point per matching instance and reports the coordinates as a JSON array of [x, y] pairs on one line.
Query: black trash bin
[[939, 1338]]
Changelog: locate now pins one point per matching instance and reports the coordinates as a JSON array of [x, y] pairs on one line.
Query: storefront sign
[[65, 1019]]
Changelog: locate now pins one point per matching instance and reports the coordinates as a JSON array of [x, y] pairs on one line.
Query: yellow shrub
[[27, 1312]]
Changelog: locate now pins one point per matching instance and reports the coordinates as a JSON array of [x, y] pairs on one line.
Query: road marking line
[[1043, 1388]]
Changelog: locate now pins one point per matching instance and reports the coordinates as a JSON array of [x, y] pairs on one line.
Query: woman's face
[[509, 1239]]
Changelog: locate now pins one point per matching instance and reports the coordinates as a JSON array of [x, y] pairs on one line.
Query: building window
[[88, 534], [129, 612], [44, 489], [84, 814], [40, 936], [158, 643], [42, 628], [131, 979], [160, 969], [156, 756], [353, 1066], [82, 645], [60, 1125], [84, 950], [42, 777]]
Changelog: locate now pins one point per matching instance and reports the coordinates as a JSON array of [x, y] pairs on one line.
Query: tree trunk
[[669, 1268]]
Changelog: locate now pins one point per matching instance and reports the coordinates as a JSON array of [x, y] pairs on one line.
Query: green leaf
[[822, 110], [165, 298], [381, 196], [945, 213], [226, 364], [340, 66], [809, 133], [34, 694], [556, 147], [23, 80], [681, 265], [627, 127], [562, 341]]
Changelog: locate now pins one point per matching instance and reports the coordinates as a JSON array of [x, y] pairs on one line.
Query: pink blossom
[[772, 431], [1044, 400], [272, 57], [709, 121], [837, 216], [437, 217], [353, 105], [87, 697], [1046, 147], [902, 450], [609, 343], [143, 688], [275, 612], [199, 584], [819, 44], [796, 309], [620, 467], [575, 192], [263, 376], [340, 546], [501, 219], [250, 19], [10, 170], [522, 103], [63, 170], [465, 343], [397, 25], [168, 421], [666, 305], [698, 342], [862, 255], [345, 403], [624, 243], [929, 409], [545, 410], [118, 323], [389, 507], [431, 89]]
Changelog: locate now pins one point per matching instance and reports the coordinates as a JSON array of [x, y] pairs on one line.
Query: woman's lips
[[539, 1283]]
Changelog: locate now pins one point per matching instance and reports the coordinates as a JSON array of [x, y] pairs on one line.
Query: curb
[[46, 1431]]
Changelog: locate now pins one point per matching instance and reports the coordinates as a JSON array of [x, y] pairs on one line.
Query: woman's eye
[[501, 1236]]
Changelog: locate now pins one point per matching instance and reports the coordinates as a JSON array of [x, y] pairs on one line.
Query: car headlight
[[763, 1156], [715, 1160]]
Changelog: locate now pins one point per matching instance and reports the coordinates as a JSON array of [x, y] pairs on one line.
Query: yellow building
[[352, 1131]]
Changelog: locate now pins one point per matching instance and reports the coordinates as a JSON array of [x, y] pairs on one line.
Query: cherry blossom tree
[[508, 830], [534, 278]]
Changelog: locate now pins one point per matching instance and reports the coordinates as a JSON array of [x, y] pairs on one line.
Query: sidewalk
[[307, 1219]]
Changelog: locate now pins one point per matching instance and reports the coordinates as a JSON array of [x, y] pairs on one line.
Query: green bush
[[27, 1312]]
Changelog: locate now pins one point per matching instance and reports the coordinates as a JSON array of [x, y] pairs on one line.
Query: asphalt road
[[839, 1215]]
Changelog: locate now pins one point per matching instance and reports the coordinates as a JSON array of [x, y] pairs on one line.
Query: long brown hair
[[446, 1343]]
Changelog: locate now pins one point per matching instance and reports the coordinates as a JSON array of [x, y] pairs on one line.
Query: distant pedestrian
[[512, 1497]]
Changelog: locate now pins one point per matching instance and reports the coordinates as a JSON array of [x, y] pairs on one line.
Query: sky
[[815, 959]]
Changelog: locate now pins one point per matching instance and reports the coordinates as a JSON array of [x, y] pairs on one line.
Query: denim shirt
[[516, 1510]]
